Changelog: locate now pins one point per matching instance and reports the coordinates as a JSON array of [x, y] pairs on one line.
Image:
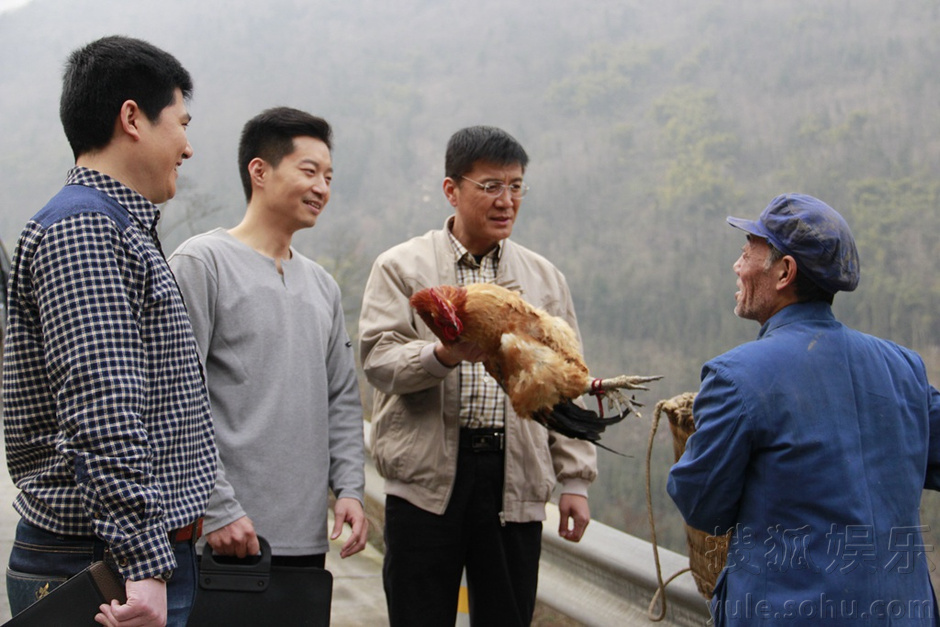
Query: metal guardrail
[[609, 578]]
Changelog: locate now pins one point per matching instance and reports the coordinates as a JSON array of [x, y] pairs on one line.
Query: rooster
[[534, 356]]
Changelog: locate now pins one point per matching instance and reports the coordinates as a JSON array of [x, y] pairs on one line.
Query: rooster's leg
[[616, 399], [624, 381]]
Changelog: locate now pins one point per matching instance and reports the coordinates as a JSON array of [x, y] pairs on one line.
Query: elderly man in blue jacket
[[813, 443]]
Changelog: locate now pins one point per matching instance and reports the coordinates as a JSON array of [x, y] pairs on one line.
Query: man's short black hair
[[101, 76], [481, 143], [270, 136]]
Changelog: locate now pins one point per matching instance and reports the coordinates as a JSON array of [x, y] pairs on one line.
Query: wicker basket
[[707, 553]]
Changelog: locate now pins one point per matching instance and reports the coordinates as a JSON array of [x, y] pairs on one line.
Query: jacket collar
[[505, 277], [797, 312]]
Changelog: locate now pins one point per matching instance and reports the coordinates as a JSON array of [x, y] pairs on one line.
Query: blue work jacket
[[814, 444]]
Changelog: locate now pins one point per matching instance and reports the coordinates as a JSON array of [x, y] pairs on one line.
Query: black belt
[[482, 440]]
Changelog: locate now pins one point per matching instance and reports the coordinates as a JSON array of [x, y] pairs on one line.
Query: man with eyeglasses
[[466, 480]]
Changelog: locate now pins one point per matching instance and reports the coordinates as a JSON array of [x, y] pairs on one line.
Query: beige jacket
[[415, 420]]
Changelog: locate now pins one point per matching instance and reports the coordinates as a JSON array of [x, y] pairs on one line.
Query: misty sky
[[6, 5]]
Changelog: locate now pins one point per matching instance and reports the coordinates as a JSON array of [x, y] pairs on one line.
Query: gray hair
[[806, 289]]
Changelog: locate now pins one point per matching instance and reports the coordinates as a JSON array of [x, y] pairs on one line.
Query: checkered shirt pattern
[[482, 401], [107, 421]]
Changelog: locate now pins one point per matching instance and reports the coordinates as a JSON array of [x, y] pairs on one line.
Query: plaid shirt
[[482, 401], [106, 419]]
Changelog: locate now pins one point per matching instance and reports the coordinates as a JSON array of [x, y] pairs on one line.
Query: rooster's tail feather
[[573, 421]]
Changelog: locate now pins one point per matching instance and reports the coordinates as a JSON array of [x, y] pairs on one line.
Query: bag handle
[[250, 574]]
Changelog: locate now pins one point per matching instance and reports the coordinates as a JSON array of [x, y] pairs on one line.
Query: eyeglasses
[[496, 188]]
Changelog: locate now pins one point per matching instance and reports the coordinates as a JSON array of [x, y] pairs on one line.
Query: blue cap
[[814, 234]]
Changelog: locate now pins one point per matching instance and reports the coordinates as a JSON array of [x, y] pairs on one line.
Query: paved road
[[357, 581]]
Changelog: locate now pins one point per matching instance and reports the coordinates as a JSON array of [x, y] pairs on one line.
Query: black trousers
[[425, 554]]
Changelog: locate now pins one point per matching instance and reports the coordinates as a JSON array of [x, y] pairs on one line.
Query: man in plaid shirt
[[107, 425]]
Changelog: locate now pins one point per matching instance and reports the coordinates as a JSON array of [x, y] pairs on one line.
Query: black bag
[[76, 601], [254, 592]]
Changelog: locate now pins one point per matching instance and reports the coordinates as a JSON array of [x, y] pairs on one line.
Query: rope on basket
[[707, 553], [661, 585]]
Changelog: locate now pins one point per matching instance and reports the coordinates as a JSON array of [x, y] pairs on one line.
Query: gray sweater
[[282, 383]]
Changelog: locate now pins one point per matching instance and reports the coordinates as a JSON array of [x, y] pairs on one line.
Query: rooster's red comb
[[447, 308]]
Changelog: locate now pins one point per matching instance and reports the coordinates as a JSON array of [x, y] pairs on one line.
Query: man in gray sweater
[[279, 362]]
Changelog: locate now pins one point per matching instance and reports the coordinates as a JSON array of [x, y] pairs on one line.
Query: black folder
[[75, 603]]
